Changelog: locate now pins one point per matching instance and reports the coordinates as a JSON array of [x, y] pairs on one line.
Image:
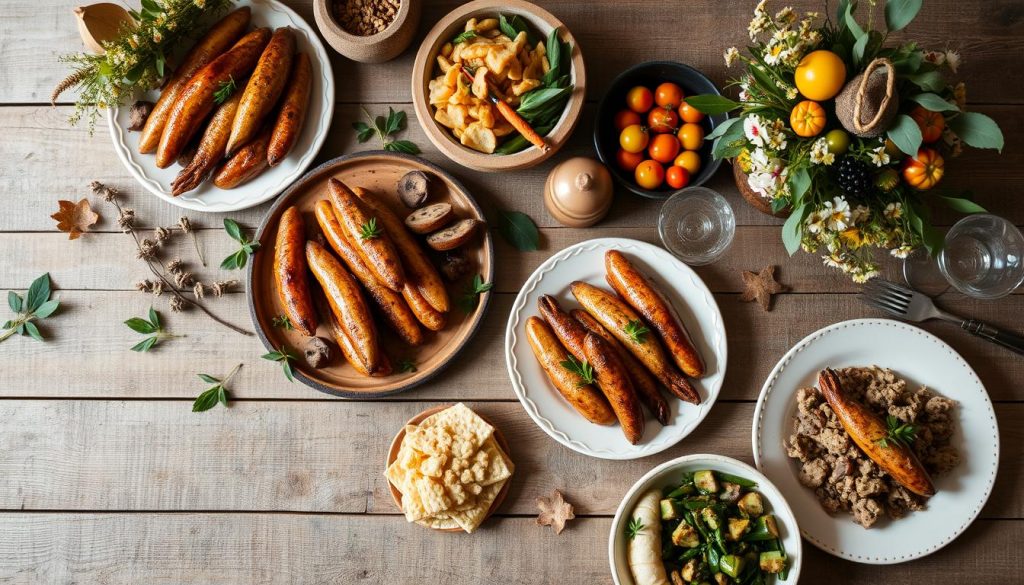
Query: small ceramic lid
[[578, 192]]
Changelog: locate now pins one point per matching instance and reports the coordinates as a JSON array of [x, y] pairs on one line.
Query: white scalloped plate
[[585, 261], [920, 358], [271, 182]]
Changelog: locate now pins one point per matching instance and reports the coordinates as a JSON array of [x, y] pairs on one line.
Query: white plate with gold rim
[[540, 399]]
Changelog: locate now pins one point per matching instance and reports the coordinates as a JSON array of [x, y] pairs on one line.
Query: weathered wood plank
[[114, 455], [228, 549]]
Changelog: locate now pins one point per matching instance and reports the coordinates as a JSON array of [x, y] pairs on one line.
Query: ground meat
[[843, 478]]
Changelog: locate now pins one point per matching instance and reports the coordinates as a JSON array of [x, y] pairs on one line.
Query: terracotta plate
[[377, 171], [396, 444]]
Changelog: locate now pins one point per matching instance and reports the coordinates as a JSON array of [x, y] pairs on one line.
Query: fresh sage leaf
[[934, 103], [977, 130], [712, 104], [519, 230], [905, 134], [900, 13]]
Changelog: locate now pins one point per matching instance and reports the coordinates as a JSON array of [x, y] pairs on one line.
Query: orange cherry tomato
[[650, 174], [677, 177], [628, 161], [668, 95], [662, 120], [639, 99], [930, 123], [820, 75], [692, 136], [664, 148], [925, 170], [690, 114], [807, 118], [689, 160], [634, 138], [627, 118]]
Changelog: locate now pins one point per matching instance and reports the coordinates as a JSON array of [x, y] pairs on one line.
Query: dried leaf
[[761, 286], [554, 512], [75, 218]]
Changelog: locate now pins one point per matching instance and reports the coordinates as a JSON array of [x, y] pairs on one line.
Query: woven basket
[[869, 101]]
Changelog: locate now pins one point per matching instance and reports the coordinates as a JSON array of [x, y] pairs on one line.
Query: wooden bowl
[[752, 197], [383, 46], [396, 444], [377, 171], [541, 21]]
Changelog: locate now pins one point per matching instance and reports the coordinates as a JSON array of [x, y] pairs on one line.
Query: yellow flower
[[853, 237], [743, 159]]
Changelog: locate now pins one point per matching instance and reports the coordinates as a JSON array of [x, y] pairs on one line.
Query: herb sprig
[[897, 433], [283, 322], [246, 248], [216, 393], [582, 369], [34, 306], [151, 327], [384, 128], [463, 36], [634, 527], [407, 366], [283, 357], [637, 331], [370, 230], [225, 90], [471, 298]]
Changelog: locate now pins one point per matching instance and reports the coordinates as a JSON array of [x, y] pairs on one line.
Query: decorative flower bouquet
[[847, 135]]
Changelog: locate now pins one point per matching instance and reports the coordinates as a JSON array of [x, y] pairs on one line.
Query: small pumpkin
[[924, 170], [931, 123], [807, 118]]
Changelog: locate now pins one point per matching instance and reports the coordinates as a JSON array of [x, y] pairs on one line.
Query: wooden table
[[107, 477]]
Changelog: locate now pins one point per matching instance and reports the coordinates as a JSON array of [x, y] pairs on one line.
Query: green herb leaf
[[395, 121], [38, 293], [712, 104], [906, 134], [46, 309], [402, 146], [154, 317], [283, 357], [206, 400], [471, 298], [283, 322], [140, 325], [370, 230], [511, 27], [234, 230], [208, 378], [463, 37], [218, 393], [962, 205], [933, 102], [224, 90], [900, 13], [897, 433], [246, 248], [534, 101], [145, 345], [407, 366], [519, 230], [14, 301], [32, 331], [152, 326], [634, 527], [977, 130], [582, 369], [363, 131], [792, 230], [637, 331]]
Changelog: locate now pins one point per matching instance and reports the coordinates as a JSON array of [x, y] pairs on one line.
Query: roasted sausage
[[866, 429], [264, 88], [568, 330], [643, 382], [430, 317], [348, 348], [292, 114], [586, 399], [613, 379], [196, 100], [218, 39], [396, 312], [290, 272], [245, 164], [211, 147], [644, 295], [615, 315], [376, 248]]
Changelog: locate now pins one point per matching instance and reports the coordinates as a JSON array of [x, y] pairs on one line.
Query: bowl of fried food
[[498, 86]]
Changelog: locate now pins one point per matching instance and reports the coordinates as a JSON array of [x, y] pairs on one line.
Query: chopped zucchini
[[772, 561], [738, 527], [671, 509], [685, 536], [764, 528], [705, 481], [689, 570], [731, 565], [751, 505], [730, 492], [710, 517], [683, 490]]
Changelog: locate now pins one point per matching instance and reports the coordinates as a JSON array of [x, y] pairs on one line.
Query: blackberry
[[853, 176]]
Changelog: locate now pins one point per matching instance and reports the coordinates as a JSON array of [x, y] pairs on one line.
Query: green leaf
[[793, 228], [160, 63], [859, 47], [250, 247], [222, 395], [712, 104], [14, 301], [962, 205], [38, 293], [519, 230], [977, 130], [730, 143], [463, 37], [479, 286], [8, 325], [402, 146], [208, 378], [140, 325], [906, 134], [33, 332], [799, 184], [234, 230], [154, 317], [363, 131], [534, 101], [286, 365], [206, 400], [721, 128], [900, 13], [927, 80], [851, 23], [224, 90], [554, 53], [230, 263], [511, 27], [395, 122], [934, 103], [144, 345], [47, 309]]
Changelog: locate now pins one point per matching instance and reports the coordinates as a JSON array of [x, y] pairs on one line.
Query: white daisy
[[731, 55], [839, 219], [879, 157], [753, 129], [893, 211]]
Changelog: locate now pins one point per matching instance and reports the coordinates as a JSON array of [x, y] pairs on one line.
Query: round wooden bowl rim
[[396, 444], [327, 21], [423, 68]]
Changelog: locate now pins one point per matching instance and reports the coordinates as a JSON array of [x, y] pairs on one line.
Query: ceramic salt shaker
[[578, 192]]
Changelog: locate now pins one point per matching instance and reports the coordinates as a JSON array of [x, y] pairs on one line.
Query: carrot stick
[[517, 121]]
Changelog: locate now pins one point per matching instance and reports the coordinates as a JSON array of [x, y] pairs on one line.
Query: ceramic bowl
[[667, 474], [650, 75], [542, 22], [378, 48]]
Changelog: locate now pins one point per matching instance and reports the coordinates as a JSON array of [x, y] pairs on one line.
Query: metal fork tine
[[894, 288], [884, 305]]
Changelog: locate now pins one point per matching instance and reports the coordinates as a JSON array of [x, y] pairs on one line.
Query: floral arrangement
[[847, 135], [137, 58]]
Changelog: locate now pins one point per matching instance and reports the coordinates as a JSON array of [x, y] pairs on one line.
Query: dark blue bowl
[[650, 75]]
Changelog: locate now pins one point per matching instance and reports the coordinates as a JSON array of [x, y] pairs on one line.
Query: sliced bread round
[[430, 218], [454, 236]]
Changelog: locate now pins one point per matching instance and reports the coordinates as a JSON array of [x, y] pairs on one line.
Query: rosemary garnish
[[582, 369], [634, 527], [637, 331], [897, 433], [370, 230], [224, 90]]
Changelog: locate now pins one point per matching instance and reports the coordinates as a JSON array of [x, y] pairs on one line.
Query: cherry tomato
[[668, 95], [650, 174], [639, 99], [662, 120], [677, 177], [627, 118], [838, 141], [689, 160], [692, 136], [664, 148], [628, 161], [634, 138], [690, 114]]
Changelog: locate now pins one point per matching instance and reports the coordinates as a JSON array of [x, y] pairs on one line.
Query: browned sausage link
[[196, 100], [218, 39], [643, 382], [264, 87], [376, 248], [586, 399], [246, 164], [569, 331], [644, 295], [294, 104], [348, 349], [424, 311], [211, 148], [866, 428], [614, 382], [290, 272]]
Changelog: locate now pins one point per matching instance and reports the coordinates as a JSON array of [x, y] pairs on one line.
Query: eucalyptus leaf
[[859, 47], [519, 230], [934, 102], [712, 104], [900, 13], [47, 309], [851, 23], [792, 230], [720, 129], [38, 293], [977, 130], [14, 301], [927, 80], [799, 183], [906, 134], [962, 205], [33, 331]]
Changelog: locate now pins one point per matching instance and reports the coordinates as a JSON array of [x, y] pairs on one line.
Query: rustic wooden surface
[[107, 477]]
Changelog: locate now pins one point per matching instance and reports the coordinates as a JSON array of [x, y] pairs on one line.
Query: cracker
[[470, 520], [462, 422], [499, 466], [433, 496]]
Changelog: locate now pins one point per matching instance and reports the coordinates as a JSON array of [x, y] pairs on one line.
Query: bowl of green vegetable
[[704, 518]]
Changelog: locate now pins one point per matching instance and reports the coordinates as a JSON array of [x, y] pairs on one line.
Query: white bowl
[[668, 473]]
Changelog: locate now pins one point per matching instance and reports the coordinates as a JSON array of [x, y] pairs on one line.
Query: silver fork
[[906, 303]]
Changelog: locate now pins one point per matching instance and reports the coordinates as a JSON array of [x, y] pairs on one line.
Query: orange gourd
[[925, 170], [930, 123], [807, 118]]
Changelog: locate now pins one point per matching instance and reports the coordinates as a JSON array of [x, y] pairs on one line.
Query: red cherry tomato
[[650, 174], [668, 95], [662, 120], [627, 118], [690, 114], [639, 99], [677, 177], [664, 148], [628, 161]]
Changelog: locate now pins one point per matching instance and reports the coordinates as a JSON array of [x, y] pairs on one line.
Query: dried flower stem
[[186, 226]]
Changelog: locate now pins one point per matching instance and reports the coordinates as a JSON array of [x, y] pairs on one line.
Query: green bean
[[736, 479]]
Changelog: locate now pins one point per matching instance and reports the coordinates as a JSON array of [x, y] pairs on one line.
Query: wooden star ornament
[[75, 218], [760, 287], [554, 511]]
